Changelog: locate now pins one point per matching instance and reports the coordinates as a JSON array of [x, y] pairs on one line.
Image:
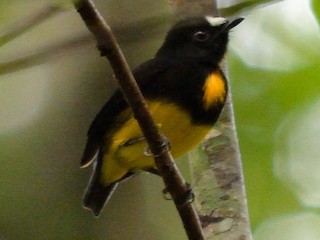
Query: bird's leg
[[188, 198], [164, 147]]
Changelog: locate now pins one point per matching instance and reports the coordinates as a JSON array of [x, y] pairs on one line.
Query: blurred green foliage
[[316, 9], [266, 102]]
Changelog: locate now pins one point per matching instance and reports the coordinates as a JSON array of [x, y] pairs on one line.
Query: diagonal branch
[[245, 6], [27, 23], [38, 56], [175, 184]]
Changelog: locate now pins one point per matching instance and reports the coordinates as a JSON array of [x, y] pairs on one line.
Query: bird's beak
[[228, 24], [231, 23]]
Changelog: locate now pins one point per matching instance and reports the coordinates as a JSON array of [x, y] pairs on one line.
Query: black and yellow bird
[[185, 90]]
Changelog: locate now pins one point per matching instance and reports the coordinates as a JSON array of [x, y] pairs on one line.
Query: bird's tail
[[97, 195]]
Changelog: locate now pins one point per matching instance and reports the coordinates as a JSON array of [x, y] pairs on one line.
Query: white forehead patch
[[215, 21]]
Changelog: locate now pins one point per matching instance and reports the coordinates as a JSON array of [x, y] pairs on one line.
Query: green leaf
[[315, 5]]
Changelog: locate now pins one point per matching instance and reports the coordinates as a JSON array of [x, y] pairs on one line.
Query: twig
[[173, 180], [36, 56], [187, 8], [27, 23], [40, 55], [245, 6], [125, 33]]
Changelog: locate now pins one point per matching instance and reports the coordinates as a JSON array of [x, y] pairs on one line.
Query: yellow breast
[[173, 122]]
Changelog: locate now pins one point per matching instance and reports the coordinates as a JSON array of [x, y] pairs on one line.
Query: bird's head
[[203, 39]]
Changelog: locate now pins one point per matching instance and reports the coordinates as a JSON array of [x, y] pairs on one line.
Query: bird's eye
[[201, 36]]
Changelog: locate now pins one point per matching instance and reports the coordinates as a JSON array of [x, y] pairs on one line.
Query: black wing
[[107, 118], [105, 123]]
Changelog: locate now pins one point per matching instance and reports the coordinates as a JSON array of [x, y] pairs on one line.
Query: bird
[[185, 90]]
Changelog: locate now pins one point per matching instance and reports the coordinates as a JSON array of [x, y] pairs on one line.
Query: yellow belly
[[174, 123]]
